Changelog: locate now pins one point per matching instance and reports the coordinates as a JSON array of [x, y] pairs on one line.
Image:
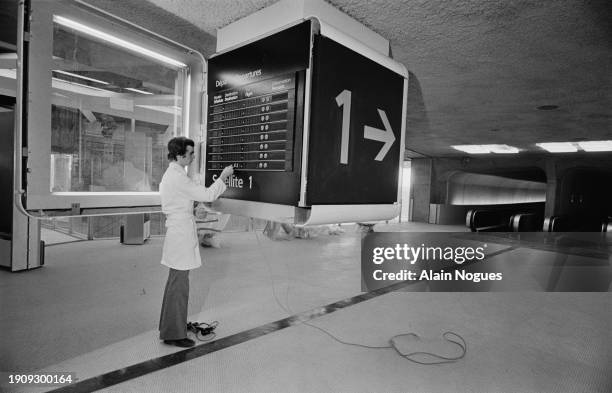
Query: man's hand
[[227, 172], [200, 211]]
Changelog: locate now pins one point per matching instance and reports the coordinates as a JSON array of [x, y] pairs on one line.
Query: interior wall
[[420, 189], [586, 192], [477, 189], [431, 175]]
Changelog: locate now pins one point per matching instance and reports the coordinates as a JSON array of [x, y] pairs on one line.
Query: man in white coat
[[181, 251]]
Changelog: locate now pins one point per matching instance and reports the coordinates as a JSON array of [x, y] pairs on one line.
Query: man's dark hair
[[178, 147]]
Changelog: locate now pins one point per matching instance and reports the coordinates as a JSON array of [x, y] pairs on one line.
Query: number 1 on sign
[[344, 101]]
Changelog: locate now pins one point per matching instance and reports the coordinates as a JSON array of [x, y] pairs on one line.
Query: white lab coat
[[181, 250]]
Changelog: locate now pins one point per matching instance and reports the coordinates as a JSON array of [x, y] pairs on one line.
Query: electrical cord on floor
[[278, 302], [392, 341], [203, 329]]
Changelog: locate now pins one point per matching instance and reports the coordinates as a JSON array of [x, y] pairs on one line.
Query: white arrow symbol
[[377, 134]]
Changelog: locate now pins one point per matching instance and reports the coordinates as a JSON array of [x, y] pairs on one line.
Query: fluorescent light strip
[[186, 125], [173, 110], [138, 91], [115, 40], [78, 88], [591, 146], [558, 147], [80, 84], [80, 76]]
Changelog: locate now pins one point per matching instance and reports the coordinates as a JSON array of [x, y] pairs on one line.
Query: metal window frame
[[34, 52]]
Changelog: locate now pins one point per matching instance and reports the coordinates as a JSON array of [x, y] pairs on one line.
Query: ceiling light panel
[[472, 149], [484, 149], [592, 146], [558, 147], [502, 149]]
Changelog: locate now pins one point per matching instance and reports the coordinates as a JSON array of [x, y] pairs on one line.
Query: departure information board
[[255, 116], [252, 126]]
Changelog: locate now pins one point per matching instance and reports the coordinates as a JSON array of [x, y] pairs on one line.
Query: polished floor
[[92, 310]]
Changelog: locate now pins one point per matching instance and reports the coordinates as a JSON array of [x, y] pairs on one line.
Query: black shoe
[[182, 342]]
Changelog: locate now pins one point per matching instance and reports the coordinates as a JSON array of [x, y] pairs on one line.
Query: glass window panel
[[113, 112]]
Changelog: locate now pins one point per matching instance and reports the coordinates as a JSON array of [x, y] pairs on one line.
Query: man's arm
[[201, 193]]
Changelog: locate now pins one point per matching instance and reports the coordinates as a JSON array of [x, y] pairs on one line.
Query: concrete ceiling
[[479, 68]]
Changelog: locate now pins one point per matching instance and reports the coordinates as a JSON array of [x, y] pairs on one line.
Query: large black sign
[[355, 126], [255, 116]]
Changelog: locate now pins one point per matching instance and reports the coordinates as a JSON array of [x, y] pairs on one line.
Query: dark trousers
[[173, 318]]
